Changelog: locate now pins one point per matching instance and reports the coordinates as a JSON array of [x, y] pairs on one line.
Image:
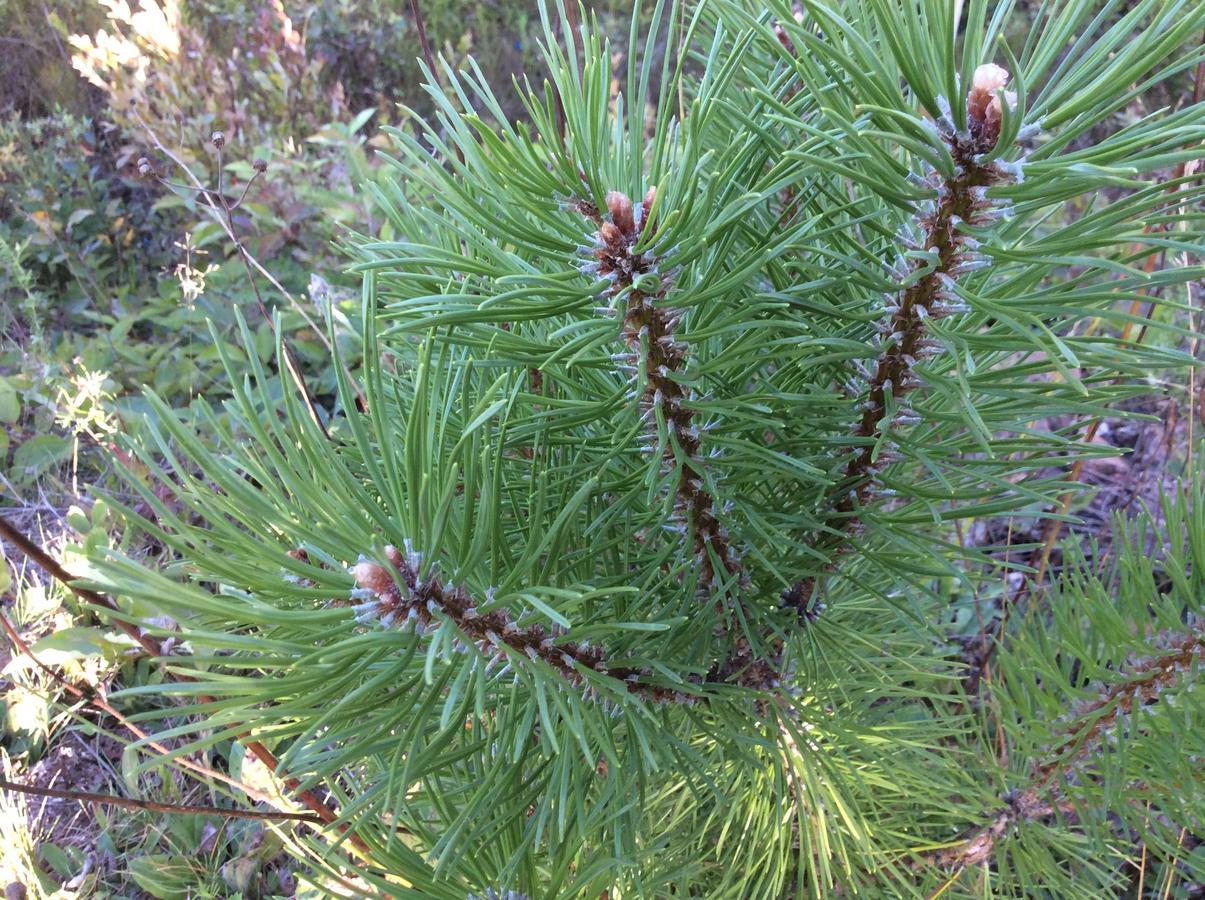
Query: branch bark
[[153, 806]]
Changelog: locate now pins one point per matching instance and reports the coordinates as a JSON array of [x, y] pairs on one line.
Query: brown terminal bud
[[611, 236], [260, 165], [983, 104], [649, 196], [217, 139], [620, 207], [394, 555], [372, 576]]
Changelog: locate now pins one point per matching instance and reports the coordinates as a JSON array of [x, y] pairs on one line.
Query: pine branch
[[1150, 676], [404, 599], [1039, 559], [657, 357], [980, 845], [961, 200]]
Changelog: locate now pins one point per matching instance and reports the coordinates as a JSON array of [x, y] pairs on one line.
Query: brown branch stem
[[154, 806], [400, 598], [421, 26], [97, 700], [30, 549]]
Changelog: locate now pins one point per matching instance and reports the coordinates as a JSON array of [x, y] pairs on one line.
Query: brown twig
[[154, 806], [980, 843], [649, 328], [14, 535], [50, 565], [1148, 677], [421, 27], [96, 699], [399, 598]]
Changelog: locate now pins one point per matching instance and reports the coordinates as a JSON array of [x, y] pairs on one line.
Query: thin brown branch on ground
[[28, 547], [98, 701], [154, 806]]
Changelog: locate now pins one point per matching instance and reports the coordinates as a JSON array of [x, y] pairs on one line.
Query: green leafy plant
[[630, 573]]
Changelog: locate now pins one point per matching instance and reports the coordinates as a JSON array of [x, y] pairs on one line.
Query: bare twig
[[96, 699], [290, 358], [154, 806], [421, 26], [14, 535]]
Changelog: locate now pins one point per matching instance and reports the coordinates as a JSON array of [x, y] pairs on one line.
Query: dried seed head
[[372, 576], [620, 207], [218, 139], [260, 164]]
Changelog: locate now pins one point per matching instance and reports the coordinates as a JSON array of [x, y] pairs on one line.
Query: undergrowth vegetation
[[752, 453]]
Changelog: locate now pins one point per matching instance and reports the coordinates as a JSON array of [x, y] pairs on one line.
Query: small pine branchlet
[[1092, 722], [962, 200], [398, 597], [650, 331]]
